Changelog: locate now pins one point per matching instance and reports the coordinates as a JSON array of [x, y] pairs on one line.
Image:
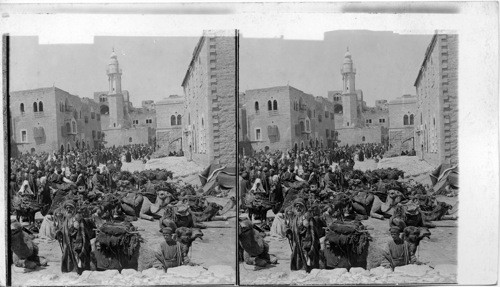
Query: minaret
[[114, 75], [348, 74], [349, 96], [115, 96]]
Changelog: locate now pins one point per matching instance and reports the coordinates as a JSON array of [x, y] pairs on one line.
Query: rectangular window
[[368, 121], [258, 136], [381, 120], [24, 136]]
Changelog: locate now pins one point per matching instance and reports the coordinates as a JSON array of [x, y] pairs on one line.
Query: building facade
[[281, 118], [209, 125], [169, 124], [355, 122], [437, 102], [122, 123], [51, 120], [402, 114]]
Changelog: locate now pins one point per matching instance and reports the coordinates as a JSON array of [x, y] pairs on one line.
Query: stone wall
[[376, 117], [197, 107], [355, 135], [222, 75], [123, 137], [449, 62], [287, 117], [59, 108], [261, 118], [141, 115], [400, 140], [437, 101], [408, 274], [167, 140]]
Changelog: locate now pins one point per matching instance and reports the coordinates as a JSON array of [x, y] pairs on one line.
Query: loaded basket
[[346, 245], [117, 246]]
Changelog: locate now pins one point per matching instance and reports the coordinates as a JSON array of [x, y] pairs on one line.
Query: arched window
[[172, 120], [35, 107], [68, 128], [269, 105], [256, 107], [405, 120], [308, 126], [74, 126], [40, 106], [179, 120], [363, 139], [130, 139], [21, 107], [411, 119], [202, 122]]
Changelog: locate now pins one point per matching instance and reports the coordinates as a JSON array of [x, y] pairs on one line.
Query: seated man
[[170, 252], [255, 249], [397, 252]]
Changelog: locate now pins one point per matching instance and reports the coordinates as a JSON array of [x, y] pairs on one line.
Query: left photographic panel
[[122, 160]]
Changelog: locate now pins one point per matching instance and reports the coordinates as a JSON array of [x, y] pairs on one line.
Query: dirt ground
[[218, 246], [440, 249]]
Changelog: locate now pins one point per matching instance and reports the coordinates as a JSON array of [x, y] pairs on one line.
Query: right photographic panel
[[348, 159]]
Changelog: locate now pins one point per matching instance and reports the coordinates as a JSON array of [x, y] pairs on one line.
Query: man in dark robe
[[74, 239], [302, 234]]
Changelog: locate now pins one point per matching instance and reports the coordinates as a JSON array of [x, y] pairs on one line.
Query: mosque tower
[[115, 95], [349, 96], [114, 75]]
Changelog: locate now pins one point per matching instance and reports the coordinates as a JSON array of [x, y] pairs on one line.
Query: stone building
[[356, 123], [169, 123], [402, 114], [51, 120], [284, 117], [437, 102], [122, 123], [209, 124]]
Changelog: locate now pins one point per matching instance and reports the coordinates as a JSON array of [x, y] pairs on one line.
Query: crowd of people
[[87, 203], [319, 200]]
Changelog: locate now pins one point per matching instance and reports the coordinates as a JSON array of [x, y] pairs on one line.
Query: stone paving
[[422, 274], [215, 274]]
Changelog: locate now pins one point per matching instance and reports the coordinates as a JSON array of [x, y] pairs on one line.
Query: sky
[[387, 63], [153, 67]]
